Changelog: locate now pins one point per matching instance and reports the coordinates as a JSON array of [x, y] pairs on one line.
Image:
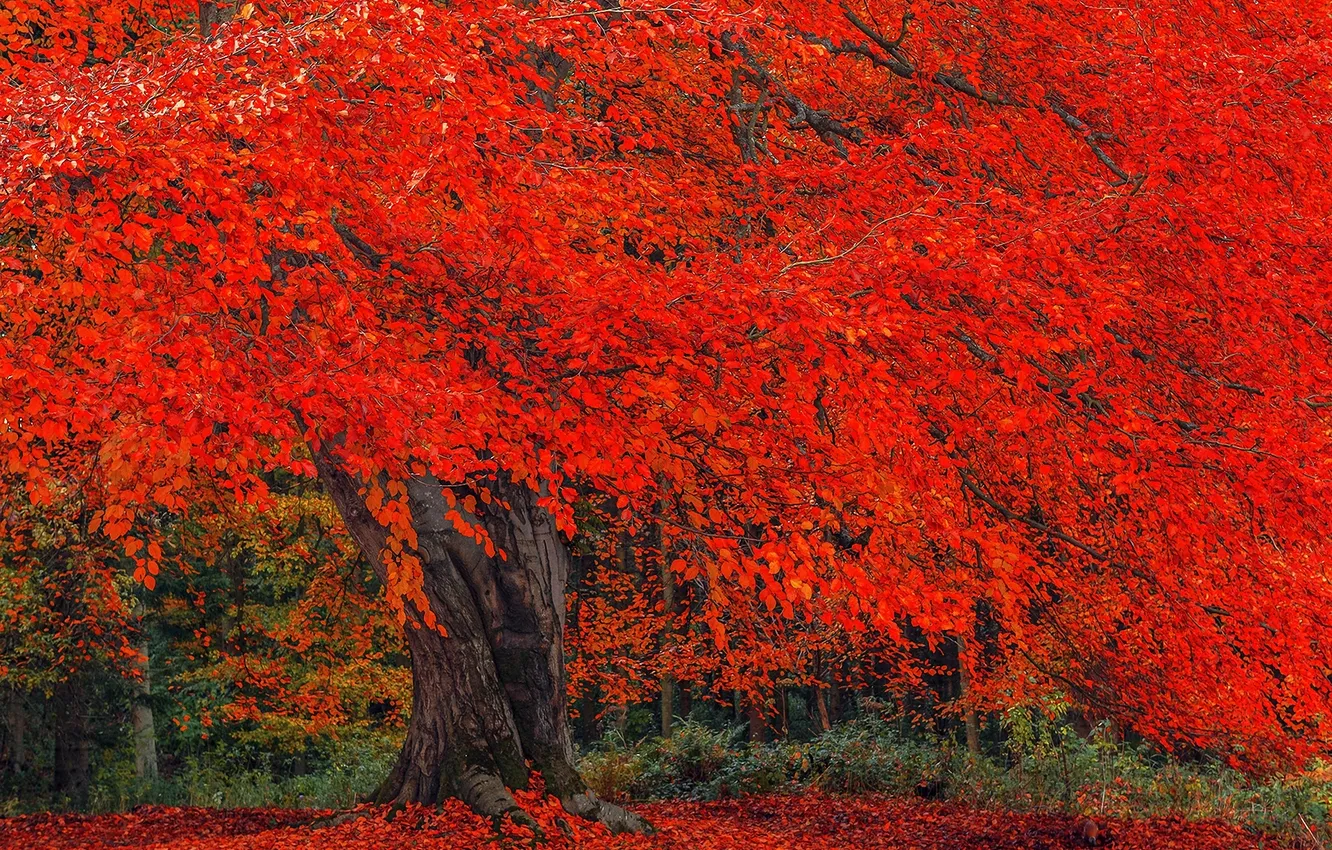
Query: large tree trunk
[[489, 695]]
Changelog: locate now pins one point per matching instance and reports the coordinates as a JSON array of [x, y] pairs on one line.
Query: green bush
[[869, 755], [695, 763]]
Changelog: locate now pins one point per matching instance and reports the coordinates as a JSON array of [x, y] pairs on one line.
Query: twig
[[614, 10], [861, 241]]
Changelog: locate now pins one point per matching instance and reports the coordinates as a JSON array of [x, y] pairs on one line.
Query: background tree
[[68, 642]]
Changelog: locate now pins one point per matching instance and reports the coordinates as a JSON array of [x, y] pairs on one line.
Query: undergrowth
[[1042, 766], [346, 770]]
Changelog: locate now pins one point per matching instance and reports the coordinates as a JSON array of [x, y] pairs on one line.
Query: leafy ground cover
[[809, 821]]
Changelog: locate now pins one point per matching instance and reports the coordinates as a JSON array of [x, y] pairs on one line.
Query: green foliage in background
[[337, 773]]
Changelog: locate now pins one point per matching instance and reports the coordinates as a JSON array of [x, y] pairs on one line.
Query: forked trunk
[[488, 697]]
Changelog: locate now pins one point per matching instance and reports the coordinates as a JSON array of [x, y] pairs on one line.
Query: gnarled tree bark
[[489, 696]]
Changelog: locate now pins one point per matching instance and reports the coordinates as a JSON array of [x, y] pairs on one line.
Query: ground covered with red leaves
[[805, 822]]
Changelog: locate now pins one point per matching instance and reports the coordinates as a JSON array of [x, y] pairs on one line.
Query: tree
[[877, 313], [65, 622]]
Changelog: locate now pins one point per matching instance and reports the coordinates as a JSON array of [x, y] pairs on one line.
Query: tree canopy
[[887, 317]]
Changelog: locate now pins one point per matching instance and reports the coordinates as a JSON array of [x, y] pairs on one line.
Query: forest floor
[[798, 822]]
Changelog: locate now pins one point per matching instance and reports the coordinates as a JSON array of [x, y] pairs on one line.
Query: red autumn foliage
[[805, 822], [893, 320]]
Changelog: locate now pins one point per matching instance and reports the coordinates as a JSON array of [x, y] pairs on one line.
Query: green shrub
[[695, 763], [1041, 765], [612, 773], [869, 755]]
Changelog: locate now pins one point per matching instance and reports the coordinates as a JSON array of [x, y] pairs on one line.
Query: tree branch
[[1077, 125], [829, 129], [893, 47]]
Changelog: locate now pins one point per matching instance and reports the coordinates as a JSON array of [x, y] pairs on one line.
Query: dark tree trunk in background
[[834, 695], [16, 733], [667, 703], [71, 762], [667, 680], [490, 695], [820, 705], [971, 718], [141, 719], [860, 683], [758, 720], [619, 713], [1080, 723], [237, 568]]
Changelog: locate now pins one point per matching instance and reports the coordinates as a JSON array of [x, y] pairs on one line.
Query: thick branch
[[830, 130], [960, 84], [893, 47], [901, 69], [1077, 125]]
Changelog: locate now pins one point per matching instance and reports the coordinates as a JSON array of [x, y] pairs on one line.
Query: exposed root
[[617, 819], [563, 781], [485, 794], [415, 788], [389, 789], [518, 817]]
